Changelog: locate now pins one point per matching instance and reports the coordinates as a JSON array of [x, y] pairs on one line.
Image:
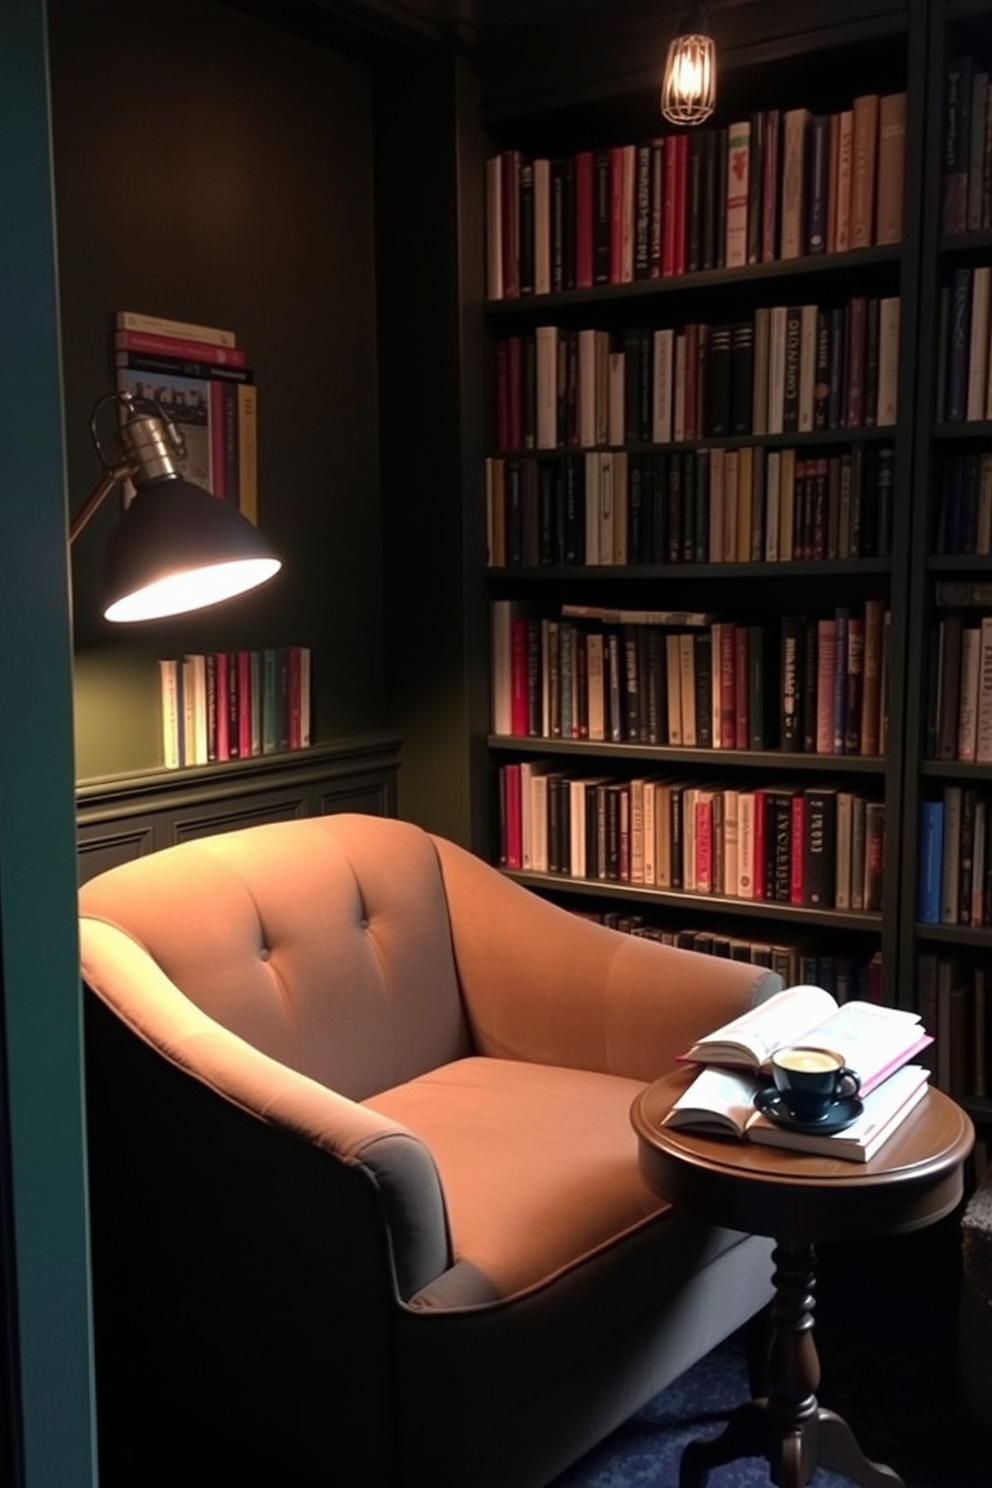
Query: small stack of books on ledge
[[228, 705], [877, 1042]]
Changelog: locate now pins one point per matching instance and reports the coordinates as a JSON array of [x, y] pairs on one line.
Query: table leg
[[788, 1428]]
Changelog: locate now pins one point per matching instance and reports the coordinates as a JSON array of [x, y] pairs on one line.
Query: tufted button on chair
[[365, 1192]]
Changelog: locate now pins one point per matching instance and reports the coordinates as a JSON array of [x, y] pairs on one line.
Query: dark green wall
[[212, 167]]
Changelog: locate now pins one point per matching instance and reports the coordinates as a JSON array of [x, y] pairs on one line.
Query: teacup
[[811, 1080]]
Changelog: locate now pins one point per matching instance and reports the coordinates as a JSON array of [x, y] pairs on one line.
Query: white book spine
[[546, 356], [661, 419], [637, 831], [738, 153], [776, 369], [888, 359]]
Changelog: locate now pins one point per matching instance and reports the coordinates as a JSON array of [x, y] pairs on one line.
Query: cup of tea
[[811, 1080]]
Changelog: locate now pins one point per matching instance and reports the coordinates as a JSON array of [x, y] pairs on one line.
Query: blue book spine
[[931, 851]]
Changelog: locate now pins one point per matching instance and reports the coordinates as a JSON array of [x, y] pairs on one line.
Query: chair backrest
[[323, 942]]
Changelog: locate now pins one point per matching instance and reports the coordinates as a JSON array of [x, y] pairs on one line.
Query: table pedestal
[[788, 1427]]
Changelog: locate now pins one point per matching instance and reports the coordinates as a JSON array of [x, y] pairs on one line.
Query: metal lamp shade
[[178, 548], [688, 91]]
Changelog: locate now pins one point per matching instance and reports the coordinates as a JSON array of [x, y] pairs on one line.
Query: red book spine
[[759, 844], [704, 847], [669, 210], [681, 199], [742, 732], [220, 687], [518, 677], [857, 325], [616, 214], [797, 825], [244, 704], [583, 220], [175, 346], [514, 847], [728, 689]]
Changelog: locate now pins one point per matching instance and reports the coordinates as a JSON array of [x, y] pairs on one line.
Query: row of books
[[954, 861], [746, 505], [964, 504], [819, 847], [964, 367], [775, 185], [790, 369], [199, 378], [809, 684], [952, 993], [234, 704], [959, 689], [967, 146], [802, 959]]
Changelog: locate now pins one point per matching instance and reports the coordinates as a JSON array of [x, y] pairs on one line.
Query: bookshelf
[[547, 450], [947, 934]]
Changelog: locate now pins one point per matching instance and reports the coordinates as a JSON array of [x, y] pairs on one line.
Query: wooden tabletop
[[915, 1179]]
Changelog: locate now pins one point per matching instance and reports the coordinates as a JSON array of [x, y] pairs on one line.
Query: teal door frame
[[46, 1282]]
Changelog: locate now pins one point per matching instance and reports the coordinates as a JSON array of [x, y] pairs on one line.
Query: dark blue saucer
[[841, 1114]]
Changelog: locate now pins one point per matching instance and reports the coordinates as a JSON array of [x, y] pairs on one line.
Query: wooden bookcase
[[543, 105], [947, 952]]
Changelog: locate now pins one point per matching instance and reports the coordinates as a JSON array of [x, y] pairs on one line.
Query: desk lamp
[[176, 547]]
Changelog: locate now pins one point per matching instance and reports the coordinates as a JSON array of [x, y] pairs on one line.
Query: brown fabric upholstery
[[363, 1168]]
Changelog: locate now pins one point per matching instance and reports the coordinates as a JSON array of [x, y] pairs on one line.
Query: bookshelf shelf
[[827, 569], [735, 760], [703, 903], [780, 272]]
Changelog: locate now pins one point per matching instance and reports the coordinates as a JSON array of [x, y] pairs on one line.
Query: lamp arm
[[112, 476]]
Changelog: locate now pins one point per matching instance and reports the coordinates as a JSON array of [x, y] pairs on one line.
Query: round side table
[[800, 1200]]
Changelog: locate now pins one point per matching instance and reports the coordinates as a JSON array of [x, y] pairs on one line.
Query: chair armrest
[[548, 986], [120, 972]]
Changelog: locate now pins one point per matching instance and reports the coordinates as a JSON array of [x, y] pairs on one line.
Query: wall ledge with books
[[123, 817]]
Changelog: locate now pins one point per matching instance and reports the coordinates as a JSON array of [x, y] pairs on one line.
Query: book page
[[718, 1100], [752, 1038], [873, 1039]]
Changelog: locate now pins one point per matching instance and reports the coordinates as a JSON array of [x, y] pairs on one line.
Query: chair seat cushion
[[538, 1165]]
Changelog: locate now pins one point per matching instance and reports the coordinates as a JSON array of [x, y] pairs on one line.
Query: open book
[[872, 1039], [720, 1102]]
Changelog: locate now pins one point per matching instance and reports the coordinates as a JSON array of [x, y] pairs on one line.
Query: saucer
[[842, 1113]]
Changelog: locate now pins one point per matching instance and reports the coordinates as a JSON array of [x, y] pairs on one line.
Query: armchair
[[364, 1187]]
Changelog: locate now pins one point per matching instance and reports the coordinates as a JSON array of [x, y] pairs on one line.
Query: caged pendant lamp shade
[[688, 89], [176, 547]]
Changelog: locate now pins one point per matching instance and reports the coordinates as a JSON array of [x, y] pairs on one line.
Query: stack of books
[[877, 1042]]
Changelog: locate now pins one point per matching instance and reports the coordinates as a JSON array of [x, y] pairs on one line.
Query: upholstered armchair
[[364, 1188]]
